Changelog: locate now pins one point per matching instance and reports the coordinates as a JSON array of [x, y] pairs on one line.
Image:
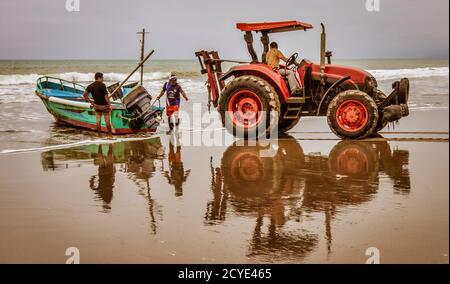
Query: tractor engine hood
[[357, 75], [360, 78]]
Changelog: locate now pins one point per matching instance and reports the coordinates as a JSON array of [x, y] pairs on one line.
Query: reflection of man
[[106, 176], [177, 176], [273, 57]]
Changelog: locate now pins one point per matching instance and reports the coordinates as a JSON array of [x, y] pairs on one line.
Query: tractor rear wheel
[[352, 114], [249, 107]]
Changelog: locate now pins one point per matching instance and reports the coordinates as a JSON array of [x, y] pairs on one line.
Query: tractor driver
[[273, 57]]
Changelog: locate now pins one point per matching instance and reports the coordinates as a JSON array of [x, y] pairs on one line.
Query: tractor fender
[[263, 71], [334, 85]]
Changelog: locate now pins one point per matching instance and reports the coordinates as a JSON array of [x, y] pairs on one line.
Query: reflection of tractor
[[286, 185], [245, 170], [364, 161], [351, 165], [257, 100]]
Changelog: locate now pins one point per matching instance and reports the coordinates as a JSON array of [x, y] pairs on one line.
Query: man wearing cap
[[173, 91]]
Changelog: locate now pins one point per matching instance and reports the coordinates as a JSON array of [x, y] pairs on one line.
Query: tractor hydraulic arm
[[211, 65]]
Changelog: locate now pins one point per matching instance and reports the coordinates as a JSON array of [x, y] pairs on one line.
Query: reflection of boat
[[289, 184], [64, 100], [135, 159], [123, 152]]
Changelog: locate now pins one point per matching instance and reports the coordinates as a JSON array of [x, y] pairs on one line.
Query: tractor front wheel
[[352, 114], [249, 107]]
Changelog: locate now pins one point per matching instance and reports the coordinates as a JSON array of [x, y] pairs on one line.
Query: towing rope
[[396, 132], [425, 139], [403, 139]]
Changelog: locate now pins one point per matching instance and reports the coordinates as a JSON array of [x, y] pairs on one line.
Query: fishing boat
[[132, 110]]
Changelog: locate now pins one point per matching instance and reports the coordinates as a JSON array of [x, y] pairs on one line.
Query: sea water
[[25, 123]]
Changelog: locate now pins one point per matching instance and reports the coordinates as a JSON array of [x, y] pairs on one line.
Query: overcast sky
[[106, 29]]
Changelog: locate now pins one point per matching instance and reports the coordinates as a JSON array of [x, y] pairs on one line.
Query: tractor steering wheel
[[292, 60]]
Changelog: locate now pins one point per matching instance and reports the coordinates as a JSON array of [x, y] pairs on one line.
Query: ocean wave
[[389, 74], [25, 93], [18, 79], [26, 79], [423, 108], [17, 94], [379, 74]]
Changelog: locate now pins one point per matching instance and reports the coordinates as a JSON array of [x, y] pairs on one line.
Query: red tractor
[[253, 99]]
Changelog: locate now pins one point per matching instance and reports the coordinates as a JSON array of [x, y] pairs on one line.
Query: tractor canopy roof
[[273, 27]]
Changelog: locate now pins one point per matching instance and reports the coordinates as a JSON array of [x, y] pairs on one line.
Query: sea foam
[[410, 73], [380, 74], [25, 79]]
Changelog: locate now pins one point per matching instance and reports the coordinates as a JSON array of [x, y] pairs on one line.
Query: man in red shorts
[[173, 91]]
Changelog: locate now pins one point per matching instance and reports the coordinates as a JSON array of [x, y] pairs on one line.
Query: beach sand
[[315, 200]]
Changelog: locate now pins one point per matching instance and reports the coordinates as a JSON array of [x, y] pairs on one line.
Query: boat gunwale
[[40, 93]]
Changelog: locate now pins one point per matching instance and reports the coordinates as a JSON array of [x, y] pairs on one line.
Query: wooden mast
[[142, 53]]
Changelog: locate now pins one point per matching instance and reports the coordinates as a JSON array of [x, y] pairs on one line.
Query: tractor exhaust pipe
[[323, 43]]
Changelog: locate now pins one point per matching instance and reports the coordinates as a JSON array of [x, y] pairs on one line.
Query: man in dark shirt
[[100, 101]]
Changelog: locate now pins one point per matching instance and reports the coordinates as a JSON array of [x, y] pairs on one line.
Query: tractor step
[[290, 117], [292, 112], [294, 107], [296, 100]]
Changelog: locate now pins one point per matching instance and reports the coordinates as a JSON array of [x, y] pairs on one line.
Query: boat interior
[[64, 89]]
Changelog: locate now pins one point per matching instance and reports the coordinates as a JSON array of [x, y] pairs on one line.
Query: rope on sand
[[417, 132], [394, 132], [410, 139], [419, 139]]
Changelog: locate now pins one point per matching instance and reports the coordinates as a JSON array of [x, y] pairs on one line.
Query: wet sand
[[315, 200]]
